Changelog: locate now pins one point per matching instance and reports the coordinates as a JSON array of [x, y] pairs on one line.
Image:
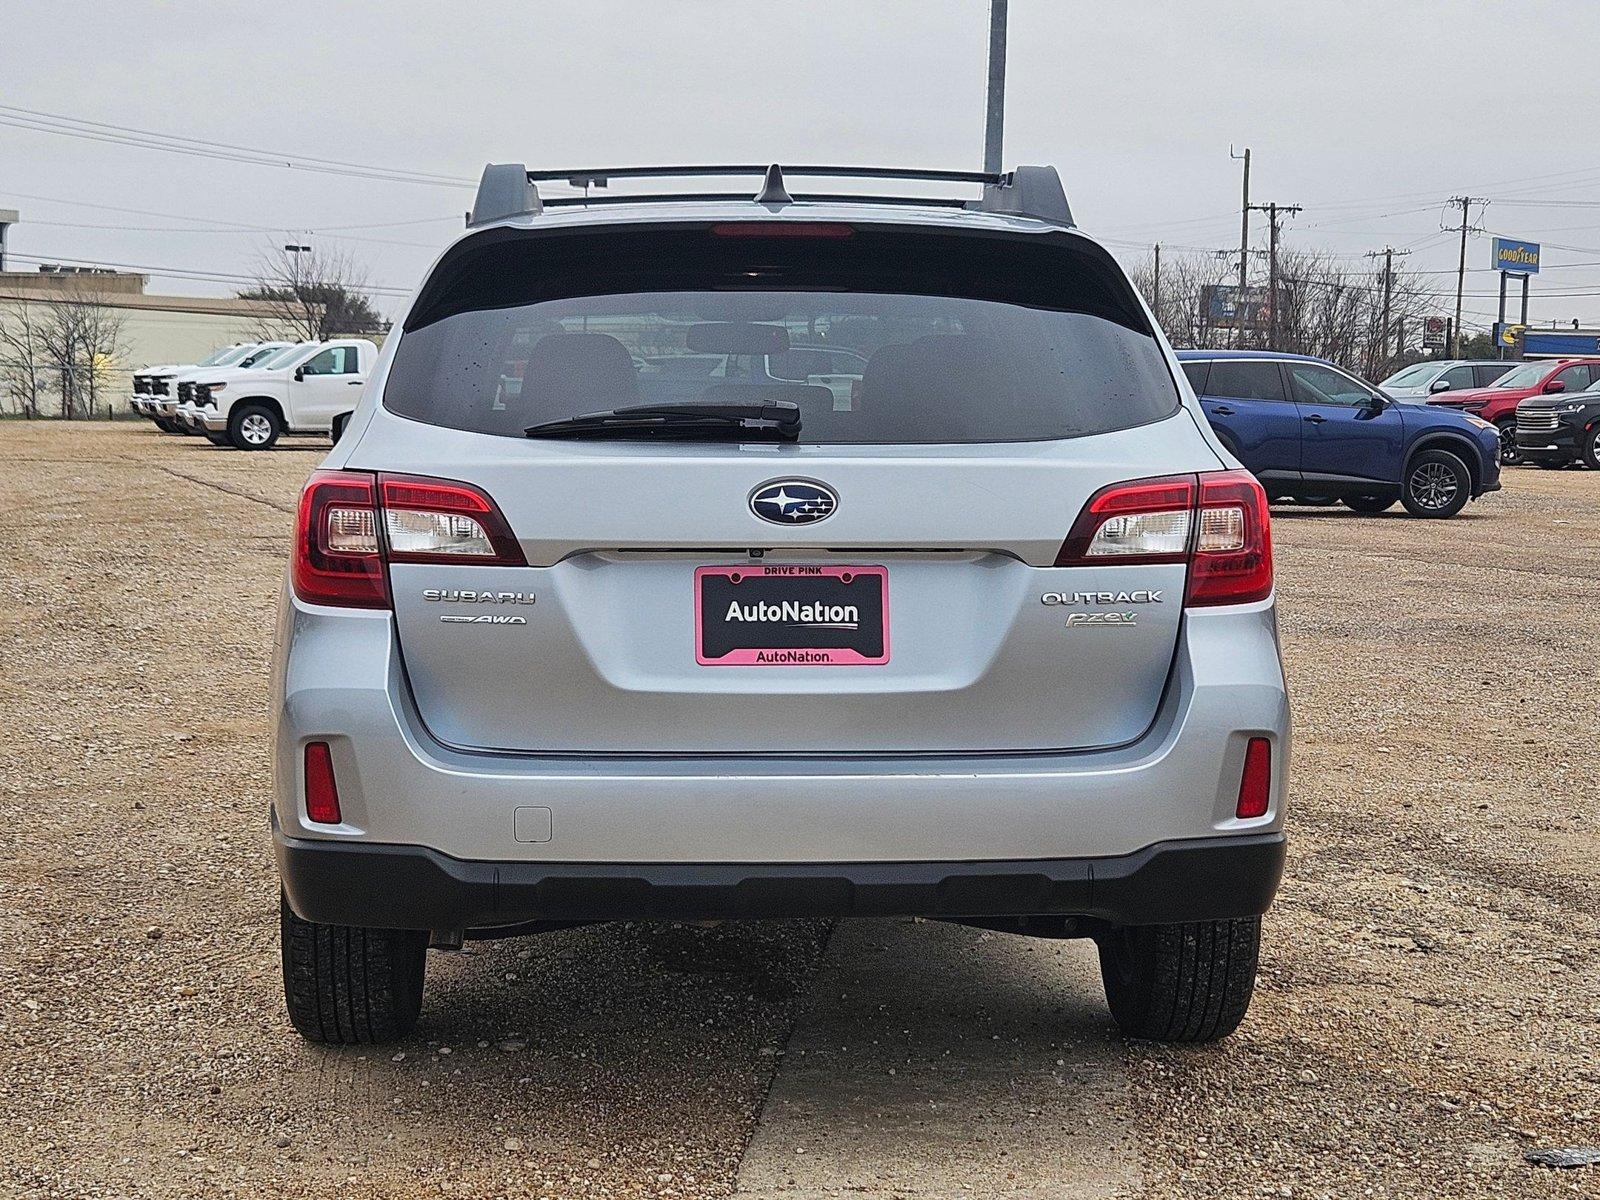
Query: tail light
[[1216, 522], [351, 524], [1255, 785]]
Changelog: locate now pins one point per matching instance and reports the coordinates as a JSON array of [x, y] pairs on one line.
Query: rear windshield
[[879, 337]]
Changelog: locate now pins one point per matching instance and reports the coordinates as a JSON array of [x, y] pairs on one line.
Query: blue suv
[[1314, 433]]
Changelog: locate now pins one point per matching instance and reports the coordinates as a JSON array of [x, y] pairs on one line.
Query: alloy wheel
[[255, 429], [1434, 485], [1510, 456]]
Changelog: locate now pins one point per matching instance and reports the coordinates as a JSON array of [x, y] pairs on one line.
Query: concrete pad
[[936, 1060]]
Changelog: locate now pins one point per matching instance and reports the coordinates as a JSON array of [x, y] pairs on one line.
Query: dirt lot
[[1429, 1006]]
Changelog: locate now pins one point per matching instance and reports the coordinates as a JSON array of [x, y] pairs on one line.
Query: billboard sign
[[1520, 258], [1223, 309], [1506, 335], [1559, 343], [1435, 333]]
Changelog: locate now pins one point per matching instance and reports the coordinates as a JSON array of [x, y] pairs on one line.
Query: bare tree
[[1324, 308], [1183, 311], [80, 335], [312, 293], [22, 355]]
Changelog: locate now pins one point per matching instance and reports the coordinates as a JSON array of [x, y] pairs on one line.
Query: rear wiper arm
[[780, 417]]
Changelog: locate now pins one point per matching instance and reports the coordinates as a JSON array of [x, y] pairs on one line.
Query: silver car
[[1416, 383], [986, 636]]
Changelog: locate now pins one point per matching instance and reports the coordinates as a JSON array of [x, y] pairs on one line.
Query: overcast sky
[[1369, 113]]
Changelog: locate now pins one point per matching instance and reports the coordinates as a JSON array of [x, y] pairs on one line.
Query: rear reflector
[[322, 794], [1255, 787], [351, 524], [1216, 522]]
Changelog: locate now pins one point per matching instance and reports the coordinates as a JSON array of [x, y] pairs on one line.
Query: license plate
[[791, 616]]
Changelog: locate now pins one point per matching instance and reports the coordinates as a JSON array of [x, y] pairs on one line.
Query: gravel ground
[[1430, 1000]]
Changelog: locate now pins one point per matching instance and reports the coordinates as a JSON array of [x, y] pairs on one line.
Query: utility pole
[[1388, 253], [1273, 222], [994, 124], [1461, 271], [1157, 288], [1244, 241]]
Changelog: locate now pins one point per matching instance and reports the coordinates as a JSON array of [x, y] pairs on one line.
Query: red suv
[[1498, 401]]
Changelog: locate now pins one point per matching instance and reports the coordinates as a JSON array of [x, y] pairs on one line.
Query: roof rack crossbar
[[718, 197], [511, 190], [598, 176]]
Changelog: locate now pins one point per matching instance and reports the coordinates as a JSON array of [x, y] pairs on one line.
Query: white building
[[152, 329]]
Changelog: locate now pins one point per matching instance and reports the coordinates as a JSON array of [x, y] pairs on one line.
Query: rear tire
[[345, 985], [217, 439], [254, 427], [337, 430], [1370, 504], [1181, 983], [1435, 484]]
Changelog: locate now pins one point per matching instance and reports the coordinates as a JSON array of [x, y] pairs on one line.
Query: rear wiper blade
[[780, 418]]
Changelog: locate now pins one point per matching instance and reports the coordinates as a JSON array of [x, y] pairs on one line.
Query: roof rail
[[511, 190]]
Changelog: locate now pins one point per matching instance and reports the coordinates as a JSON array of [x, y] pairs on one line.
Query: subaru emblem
[[793, 501]]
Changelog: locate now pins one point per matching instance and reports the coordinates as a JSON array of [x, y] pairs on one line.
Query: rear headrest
[[899, 380], [882, 373], [940, 362], [568, 369]]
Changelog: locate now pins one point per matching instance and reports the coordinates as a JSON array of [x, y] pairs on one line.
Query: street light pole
[[995, 120]]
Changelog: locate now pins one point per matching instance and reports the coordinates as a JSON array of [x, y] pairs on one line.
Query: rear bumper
[[340, 679], [411, 887]]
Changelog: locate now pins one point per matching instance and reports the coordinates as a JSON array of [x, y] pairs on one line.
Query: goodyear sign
[[1520, 258]]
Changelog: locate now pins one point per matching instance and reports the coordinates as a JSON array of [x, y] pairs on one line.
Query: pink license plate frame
[[789, 656]]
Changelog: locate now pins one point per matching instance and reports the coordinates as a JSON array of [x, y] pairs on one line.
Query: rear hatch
[[882, 583]]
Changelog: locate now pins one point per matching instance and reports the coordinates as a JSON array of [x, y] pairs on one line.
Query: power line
[[184, 272], [99, 131]]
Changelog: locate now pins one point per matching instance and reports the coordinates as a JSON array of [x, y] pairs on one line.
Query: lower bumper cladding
[[413, 887]]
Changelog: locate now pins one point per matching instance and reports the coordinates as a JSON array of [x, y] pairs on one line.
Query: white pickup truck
[[310, 388], [154, 388]]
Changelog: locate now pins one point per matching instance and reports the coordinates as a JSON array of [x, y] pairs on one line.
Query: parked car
[[994, 645], [1561, 429], [1312, 432], [839, 370], [303, 390], [1422, 380], [1498, 402], [153, 385]]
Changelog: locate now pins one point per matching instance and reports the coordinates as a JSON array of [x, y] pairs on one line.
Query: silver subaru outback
[[710, 556]]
